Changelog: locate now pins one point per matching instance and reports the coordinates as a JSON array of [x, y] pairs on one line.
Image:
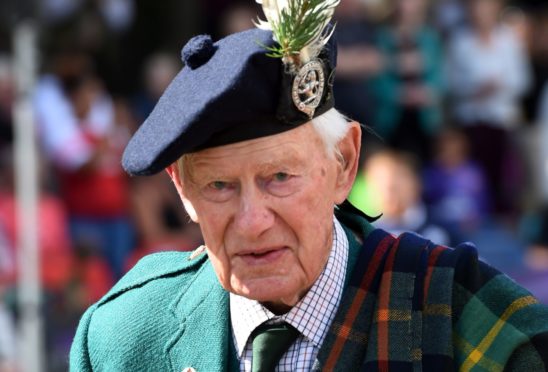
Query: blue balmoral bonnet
[[229, 91]]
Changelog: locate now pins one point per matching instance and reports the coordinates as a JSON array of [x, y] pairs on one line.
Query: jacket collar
[[202, 340]]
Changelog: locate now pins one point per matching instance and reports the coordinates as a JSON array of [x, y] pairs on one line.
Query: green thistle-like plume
[[299, 28]]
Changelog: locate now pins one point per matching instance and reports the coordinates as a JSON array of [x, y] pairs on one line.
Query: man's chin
[[272, 292]]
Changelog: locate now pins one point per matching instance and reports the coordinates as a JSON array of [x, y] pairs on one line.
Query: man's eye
[[281, 177], [283, 184], [218, 185], [218, 191]]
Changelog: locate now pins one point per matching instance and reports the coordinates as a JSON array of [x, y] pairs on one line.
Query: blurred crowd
[[452, 95]]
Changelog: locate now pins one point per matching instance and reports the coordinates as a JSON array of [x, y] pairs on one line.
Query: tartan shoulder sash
[[411, 305], [385, 314]]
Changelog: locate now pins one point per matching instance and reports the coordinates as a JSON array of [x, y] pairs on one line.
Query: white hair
[[331, 126]]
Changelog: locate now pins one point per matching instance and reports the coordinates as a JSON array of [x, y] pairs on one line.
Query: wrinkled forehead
[[296, 147]]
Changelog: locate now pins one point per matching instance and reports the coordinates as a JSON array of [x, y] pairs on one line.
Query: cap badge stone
[[308, 87]]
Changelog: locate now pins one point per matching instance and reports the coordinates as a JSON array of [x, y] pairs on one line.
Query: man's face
[[265, 208]]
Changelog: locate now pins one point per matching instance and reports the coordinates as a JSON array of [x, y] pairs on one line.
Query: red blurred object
[[56, 258]]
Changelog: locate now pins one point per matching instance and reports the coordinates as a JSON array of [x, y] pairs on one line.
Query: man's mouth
[[262, 254], [263, 257]]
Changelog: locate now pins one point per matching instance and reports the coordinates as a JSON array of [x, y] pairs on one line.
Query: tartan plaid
[[411, 305]]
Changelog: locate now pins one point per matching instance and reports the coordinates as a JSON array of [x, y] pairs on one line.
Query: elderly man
[[291, 276]]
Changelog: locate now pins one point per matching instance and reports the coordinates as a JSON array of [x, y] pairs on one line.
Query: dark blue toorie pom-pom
[[198, 51]]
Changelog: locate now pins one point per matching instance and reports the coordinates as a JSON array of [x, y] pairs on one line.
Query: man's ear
[[174, 174], [349, 148]]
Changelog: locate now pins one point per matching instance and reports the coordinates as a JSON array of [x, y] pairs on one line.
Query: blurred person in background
[[408, 112], [542, 122], [101, 28], [519, 22], [160, 225], [78, 129], [158, 71], [53, 236], [534, 225], [538, 47], [57, 272], [97, 193], [488, 74], [449, 16], [358, 60], [238, 17], [393, 180], [454, 188]]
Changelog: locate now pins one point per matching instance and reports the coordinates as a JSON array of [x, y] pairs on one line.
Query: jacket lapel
[[202, 340]]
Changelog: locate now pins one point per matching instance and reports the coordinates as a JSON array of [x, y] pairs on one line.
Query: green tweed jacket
[[408, 305]]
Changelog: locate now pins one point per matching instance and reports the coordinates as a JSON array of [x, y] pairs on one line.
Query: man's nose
[[254, 215]]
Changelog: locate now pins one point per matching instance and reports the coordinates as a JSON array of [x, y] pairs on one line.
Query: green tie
[[270, 342]]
